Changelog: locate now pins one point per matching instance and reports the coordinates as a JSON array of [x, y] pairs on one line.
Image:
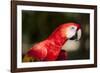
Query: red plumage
[[49, 49]]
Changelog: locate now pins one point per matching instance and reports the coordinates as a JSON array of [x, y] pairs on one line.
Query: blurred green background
[[38, 25]]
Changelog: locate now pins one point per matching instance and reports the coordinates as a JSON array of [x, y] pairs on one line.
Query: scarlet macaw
[[50, 48]]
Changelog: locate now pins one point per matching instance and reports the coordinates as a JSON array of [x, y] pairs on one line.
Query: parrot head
[[72, 31], [73, 34]]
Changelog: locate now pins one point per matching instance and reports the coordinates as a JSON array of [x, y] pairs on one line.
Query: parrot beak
[[77, 35], [79, 32]]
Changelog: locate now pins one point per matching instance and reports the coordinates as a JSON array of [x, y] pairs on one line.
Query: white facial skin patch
[[71, 31]]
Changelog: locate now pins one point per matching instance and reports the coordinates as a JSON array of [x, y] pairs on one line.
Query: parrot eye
[[72, 27]]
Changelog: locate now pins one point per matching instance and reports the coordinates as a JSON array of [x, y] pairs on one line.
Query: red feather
[[50, 48]]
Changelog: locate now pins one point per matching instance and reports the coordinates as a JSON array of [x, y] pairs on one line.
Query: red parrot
[[50, 48]]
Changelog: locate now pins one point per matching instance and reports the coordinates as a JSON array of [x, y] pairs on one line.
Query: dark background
[[38, 25]]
